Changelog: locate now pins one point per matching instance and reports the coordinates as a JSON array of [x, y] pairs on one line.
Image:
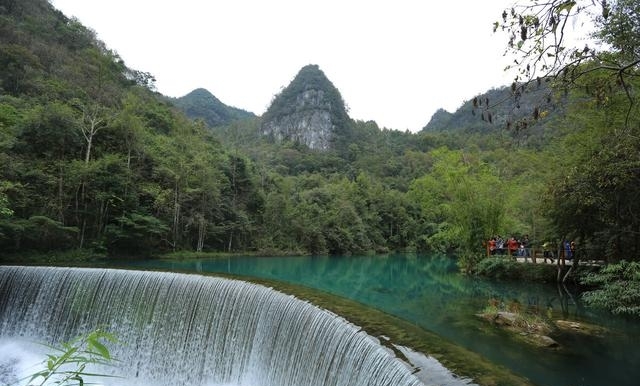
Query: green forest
[[94, 159]]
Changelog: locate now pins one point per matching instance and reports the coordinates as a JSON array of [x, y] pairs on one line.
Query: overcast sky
[[395, 62]]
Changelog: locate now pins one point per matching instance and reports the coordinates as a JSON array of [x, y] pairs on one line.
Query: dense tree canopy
[[591, 195], [93, 158]]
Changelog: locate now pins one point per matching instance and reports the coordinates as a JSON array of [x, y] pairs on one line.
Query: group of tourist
[[567, 250], [513, 246], [522, 247]]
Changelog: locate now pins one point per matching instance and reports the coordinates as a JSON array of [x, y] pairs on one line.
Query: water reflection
[[428, 291]]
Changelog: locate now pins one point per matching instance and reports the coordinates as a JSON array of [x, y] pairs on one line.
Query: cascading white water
[[180, 329]]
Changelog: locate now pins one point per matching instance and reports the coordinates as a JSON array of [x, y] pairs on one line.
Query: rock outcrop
[[310, 111], [533, 331]]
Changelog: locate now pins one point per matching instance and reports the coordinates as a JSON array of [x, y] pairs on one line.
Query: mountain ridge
[[202, 104], [514, 108]]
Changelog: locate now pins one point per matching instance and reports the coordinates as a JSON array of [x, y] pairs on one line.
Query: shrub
[[501, 268], [617, 288]]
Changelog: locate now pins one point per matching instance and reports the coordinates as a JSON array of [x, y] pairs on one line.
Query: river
[[429, 291]]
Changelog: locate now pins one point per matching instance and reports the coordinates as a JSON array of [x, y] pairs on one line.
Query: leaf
[[565, 6], [100, 348]]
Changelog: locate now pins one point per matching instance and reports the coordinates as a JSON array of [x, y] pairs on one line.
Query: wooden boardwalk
[[537, 257], [567, 262]]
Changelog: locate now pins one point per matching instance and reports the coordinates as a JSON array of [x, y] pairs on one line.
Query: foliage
[[595, 197], [135, 234], [5, 210], [463, 200], [617, 288], [94, 159], [504, 268], [468, 262], [68, 364], [506, 118], [201, 104], [538, 33], [540, 38]]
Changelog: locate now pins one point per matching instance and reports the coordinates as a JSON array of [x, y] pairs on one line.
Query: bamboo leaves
[[69, 362]]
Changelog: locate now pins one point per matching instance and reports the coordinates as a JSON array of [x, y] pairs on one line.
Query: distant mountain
[[498, 109], [309, 111], [439, 121], [201, 104]]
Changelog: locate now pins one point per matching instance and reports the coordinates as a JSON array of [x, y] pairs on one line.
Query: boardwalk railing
[[556, 256]]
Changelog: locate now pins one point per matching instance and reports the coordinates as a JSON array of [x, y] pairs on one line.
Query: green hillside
[[524, 112], [94, 160], [201, 104]]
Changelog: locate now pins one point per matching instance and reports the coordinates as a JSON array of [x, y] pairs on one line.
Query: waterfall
[[179, 329]]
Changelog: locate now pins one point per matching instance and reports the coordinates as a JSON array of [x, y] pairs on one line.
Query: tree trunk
[[91, 124], [202, 231], [82, 229], [88, 152], [60, 195], [176, 215], [574, 263]]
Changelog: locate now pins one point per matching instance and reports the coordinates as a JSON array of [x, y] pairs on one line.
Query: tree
[[543, 46], [5, 209], [135, 233], [594, 198], [243, 200], [92, 121], [462, 198]]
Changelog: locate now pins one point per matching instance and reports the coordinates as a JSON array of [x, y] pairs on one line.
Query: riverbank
[[506, 268], [88, 255]]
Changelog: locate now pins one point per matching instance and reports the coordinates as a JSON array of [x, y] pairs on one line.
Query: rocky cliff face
[[309, 111]]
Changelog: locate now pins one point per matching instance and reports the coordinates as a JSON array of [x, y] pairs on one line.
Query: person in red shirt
[[513, 245]]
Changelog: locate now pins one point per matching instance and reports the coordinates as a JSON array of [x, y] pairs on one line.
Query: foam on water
[[18, 359]]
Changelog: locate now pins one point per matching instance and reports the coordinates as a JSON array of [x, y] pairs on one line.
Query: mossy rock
[[532, 331], [580, 328]]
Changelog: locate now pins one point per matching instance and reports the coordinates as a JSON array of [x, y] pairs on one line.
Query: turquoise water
[[428, 291]]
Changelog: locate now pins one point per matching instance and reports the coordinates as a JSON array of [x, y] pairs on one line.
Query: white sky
[[395, 62]]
